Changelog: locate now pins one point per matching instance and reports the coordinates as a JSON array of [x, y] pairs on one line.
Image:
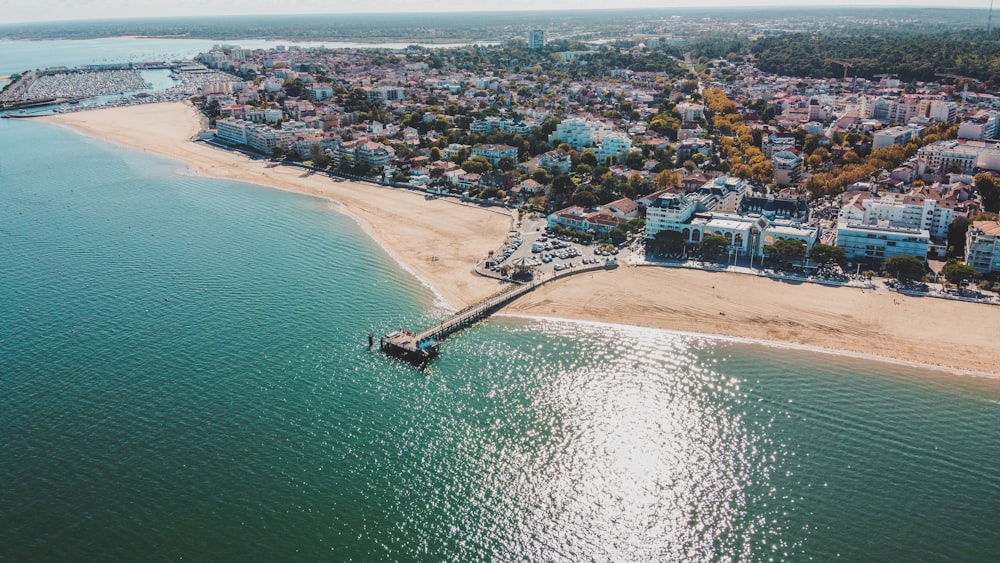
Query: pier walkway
[[420, 347]]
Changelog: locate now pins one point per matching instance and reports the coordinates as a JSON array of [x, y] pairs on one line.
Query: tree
[[671, 243], [956, 236], [506, 164], [476, 165], [956, 271], [713, 247], [541, 176], [667, 179], [588, 157], [563, 184], [989, 191], [905, 268], [827, 255], [318, 156], [786, 251]]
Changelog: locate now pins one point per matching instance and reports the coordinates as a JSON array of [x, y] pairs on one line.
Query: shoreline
[[946, 372], [440, 244]]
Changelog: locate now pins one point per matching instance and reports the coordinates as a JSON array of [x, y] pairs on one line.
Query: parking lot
[[546, 251]]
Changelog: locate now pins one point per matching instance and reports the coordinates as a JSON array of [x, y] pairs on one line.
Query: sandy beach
[[440, 241]]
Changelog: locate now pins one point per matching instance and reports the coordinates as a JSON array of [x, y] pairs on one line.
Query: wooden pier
[[420, 347]]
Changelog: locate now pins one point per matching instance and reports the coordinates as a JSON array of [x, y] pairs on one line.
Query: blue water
[[184, 376]]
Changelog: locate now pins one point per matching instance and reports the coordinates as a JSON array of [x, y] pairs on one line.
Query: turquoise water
[[184, 376]]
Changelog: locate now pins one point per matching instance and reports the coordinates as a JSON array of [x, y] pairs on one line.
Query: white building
[[776, 142], [511, 126], [982, 246], [233, 131], [787, 168], [938, 158], [706, 212], [915, 210], [263, 138], [321, 91], [982, 126], [900, 135], [579, 133], [556, 160], [614, 146], [386, 93], [494, 153], [690, 112], [942, 111]]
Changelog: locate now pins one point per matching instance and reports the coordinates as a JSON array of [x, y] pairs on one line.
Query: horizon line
[[734, 7]]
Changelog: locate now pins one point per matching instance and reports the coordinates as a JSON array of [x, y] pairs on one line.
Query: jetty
[[421, 347]]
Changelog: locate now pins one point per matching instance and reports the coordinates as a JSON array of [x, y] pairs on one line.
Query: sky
[[17, 11]]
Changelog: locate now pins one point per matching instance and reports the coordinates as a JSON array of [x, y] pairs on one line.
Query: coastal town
[[624, 153]]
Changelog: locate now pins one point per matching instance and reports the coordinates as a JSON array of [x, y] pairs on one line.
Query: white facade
[[556, 160], [787, 168], [614, 145], [580, 133], [903, 211], [494, 153], [939, 157], [263, 138], [231, 130], [690, 112], [776, 142], [982, 246], [942, 111], [981, 127], [707, 212], [511, 126], [895, 136]]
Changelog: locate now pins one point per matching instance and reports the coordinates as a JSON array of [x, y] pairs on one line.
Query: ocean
[[183, 375]]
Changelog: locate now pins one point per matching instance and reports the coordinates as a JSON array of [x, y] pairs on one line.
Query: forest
[[911, 56]]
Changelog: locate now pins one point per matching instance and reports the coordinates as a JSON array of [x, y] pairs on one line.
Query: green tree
[[541, 176], [827, 255], [584, 198], [588, 157], [786, 251], [713, 247], [989, 191], [318, 156], [905, 268], [956, 271], [670, 243], [563, 184], [506, 164], [957, 232], [477, 165]]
